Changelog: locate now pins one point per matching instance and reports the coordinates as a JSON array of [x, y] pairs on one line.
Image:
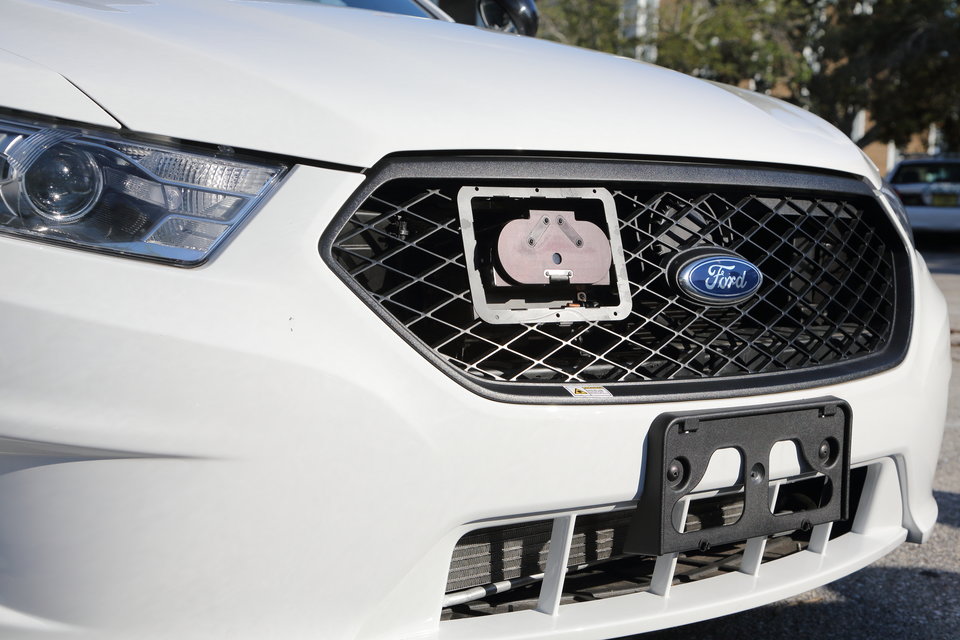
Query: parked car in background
[[930, 191], [321, 322]]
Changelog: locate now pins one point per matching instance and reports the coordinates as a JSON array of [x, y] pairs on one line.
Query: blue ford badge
[[719, 279]]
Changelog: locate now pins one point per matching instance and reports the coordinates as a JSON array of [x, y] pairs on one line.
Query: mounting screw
[[531, 241], [824, 451], [805, 525], [828, 452], [559, 220], [579, 243], [704, 546], [546, 221], [676, 472]]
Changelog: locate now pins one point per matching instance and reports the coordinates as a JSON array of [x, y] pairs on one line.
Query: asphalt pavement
[[913, 592]]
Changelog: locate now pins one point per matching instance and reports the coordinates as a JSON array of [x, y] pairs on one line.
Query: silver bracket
[[558, 276], [517, 309]]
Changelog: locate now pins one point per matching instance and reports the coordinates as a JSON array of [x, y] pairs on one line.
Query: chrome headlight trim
[[164, 201], [894, 205]]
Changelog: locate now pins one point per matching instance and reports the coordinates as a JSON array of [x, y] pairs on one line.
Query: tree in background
[[761, 44], [594, 24], [897, 60], [732, 41]]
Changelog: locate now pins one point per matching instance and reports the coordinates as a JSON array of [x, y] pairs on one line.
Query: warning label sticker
[[587, 391]]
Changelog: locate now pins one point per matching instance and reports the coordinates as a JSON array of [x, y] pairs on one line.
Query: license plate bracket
[[690, 439]]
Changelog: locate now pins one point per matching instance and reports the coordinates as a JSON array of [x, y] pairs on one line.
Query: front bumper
[[245, 450]]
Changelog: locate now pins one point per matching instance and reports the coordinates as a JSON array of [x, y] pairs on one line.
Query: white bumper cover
[[245, 450]]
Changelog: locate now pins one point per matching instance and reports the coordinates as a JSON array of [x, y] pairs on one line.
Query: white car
[[320, 322], [930, 191]]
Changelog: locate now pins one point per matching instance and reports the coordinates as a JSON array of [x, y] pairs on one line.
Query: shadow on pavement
[[941, 251], [876, 602], [949, 504]]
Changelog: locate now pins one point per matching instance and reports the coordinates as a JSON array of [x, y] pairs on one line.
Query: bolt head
[[674, 471], [823, 452]]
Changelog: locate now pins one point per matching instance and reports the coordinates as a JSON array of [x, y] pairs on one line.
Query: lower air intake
[[499, 569]]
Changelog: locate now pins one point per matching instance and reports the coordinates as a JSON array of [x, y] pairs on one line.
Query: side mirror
[[512, 16]]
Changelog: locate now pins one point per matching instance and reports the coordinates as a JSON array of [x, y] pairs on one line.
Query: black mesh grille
[[829, 294]]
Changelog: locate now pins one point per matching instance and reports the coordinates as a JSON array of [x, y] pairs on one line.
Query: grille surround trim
[[500, 170]]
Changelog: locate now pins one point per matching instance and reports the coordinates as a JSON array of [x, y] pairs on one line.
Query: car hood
[[351, 86]]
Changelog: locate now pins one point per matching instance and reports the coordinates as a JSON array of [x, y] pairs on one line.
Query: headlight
[[895, 205], [103, 192]]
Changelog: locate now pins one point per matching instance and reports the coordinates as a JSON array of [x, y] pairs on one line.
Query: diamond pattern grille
[[828, 294]]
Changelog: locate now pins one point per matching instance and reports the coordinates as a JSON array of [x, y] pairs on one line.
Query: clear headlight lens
[[896, 206], [106, 193]]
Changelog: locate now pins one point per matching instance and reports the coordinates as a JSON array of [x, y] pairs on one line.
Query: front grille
[[834, 293]]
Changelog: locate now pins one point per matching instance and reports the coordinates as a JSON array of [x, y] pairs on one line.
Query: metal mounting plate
[[558, 310]]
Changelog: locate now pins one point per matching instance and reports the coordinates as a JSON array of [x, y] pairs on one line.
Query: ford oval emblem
[[719, 279]]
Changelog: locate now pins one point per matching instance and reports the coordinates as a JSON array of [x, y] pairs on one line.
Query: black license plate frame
[[692, 437]]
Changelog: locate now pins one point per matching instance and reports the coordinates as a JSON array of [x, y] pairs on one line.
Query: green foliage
[[897, 59], [735, 40], [901, 62], [594, 24]]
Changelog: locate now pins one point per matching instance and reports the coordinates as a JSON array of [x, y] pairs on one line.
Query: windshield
[[405, 7], [928, 172]]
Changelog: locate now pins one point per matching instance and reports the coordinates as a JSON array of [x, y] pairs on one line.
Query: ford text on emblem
[[718, 278]]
